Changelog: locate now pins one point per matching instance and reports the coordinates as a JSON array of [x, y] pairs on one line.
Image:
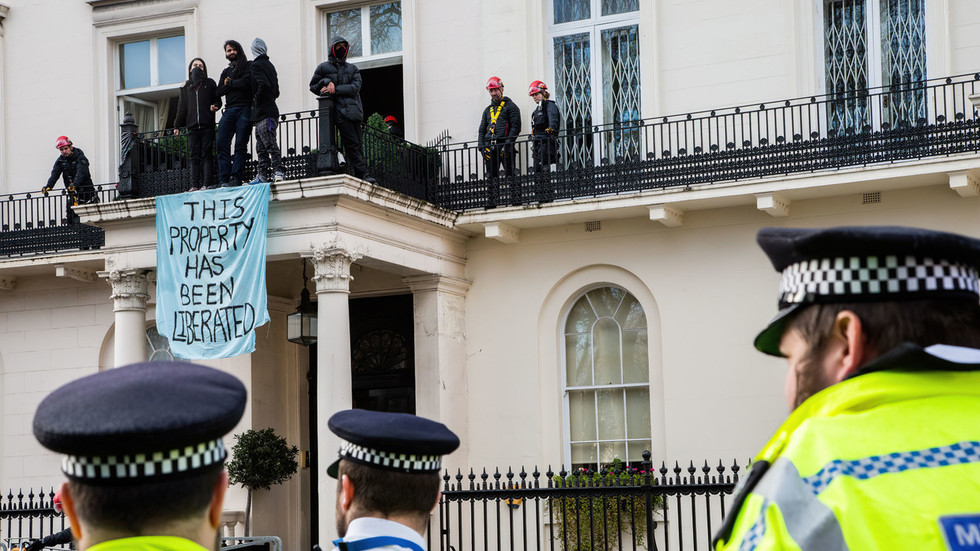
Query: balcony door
[[870, 44], [595, 51]]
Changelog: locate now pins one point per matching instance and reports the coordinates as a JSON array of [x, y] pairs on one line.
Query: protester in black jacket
[[265, 114], [499, 128], [235, 85], [72, 167], [196, 105], [342, 80], [545, 124]]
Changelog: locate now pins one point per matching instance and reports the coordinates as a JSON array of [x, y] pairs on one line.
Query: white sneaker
[[279, 177]]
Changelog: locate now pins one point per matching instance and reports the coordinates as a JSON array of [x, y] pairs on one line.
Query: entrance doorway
[[382, 92], [383, 353]]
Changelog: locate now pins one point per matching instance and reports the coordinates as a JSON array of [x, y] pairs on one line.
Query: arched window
[[157, 346], [607, 379]]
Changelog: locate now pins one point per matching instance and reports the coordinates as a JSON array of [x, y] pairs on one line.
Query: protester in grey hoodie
[[265, 113]]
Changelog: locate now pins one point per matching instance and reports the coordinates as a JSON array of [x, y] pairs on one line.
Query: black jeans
[[350, 139], [200, 152], [497, 155]]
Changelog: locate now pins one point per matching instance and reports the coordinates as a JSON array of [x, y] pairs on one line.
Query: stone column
[[333, 365], [129, 295], [440, 353]]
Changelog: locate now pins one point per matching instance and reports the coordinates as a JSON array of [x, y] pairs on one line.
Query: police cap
[[865, 263], [142, 422], [391, 441]]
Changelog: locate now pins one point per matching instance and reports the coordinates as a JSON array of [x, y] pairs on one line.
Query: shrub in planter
[[261, 459]]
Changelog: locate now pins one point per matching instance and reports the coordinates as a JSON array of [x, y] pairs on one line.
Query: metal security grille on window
[[573, 83], [846, 58], [621, 92], [903, 60]]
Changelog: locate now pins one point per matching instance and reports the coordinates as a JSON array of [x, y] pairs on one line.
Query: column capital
[[130, 288], [332, 269], [441, 283]]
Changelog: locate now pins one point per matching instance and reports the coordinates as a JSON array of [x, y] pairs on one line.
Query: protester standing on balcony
[[196, 105], [144, 465], [387, 478], [499, 128], [545, 124], [881, 329], [265, 114], [393, 129], [72, 166], [235, 85], [342, 80]]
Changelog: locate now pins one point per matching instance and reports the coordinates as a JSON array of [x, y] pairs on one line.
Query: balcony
[[874, 127]]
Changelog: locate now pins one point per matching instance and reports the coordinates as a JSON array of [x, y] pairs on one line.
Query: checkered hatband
[[880, 277], [144, 465], [404, 462]]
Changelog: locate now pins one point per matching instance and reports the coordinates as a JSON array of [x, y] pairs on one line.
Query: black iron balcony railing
[[32, 223], [927, 119], [880, 125]]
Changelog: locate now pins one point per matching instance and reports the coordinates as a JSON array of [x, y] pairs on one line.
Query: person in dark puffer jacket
[[341, 79], [196, 107], [265, 114], [72, 167], [235, 85]]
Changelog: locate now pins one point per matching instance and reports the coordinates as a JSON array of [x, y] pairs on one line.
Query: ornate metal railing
[[665, 508], [933, 118], [32, 223], [735, 143]]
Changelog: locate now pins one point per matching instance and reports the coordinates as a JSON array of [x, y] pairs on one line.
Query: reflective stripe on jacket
[[885, 460]]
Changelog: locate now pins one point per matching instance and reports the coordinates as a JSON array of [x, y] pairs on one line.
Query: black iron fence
[[879, 125], [27, 517], [33, 223], [625, 508]]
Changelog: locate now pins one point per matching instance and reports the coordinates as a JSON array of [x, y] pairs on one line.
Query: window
[[149, 73], [157, 346], [607, 379], [872, 43], [374, 32], [596, 53]]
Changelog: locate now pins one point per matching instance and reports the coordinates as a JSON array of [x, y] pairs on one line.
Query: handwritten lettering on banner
[[211, 292]]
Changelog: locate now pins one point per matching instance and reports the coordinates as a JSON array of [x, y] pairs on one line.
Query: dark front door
[[383, 353]]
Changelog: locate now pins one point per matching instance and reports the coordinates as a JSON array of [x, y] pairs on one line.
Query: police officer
[[387, 478], [143, 453], [881, 330]]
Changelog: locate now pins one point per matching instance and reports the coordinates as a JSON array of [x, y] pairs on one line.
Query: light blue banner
[[211, 292]]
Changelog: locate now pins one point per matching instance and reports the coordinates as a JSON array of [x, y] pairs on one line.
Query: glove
[[33, 545], [486, 153], [549, 130], [45, 190]]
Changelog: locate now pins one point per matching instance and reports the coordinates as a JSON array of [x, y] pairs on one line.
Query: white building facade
[[569, 332]]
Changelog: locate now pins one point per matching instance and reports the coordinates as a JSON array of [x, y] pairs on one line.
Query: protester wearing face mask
[[342, 80], [196, 106]]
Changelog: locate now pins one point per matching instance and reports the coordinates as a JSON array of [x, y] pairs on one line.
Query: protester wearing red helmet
[[545, 123], [393, 128], [499, 128], [72, 167]]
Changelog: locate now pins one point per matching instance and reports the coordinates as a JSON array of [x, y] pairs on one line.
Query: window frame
[[621, 387]]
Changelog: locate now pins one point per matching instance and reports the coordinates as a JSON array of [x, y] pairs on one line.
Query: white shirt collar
[[368, 527]]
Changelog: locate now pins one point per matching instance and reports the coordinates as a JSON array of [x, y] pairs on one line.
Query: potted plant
[[261, 459]]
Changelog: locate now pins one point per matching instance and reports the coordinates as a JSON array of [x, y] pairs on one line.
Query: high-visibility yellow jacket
[[889, 459], [148, 543]]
